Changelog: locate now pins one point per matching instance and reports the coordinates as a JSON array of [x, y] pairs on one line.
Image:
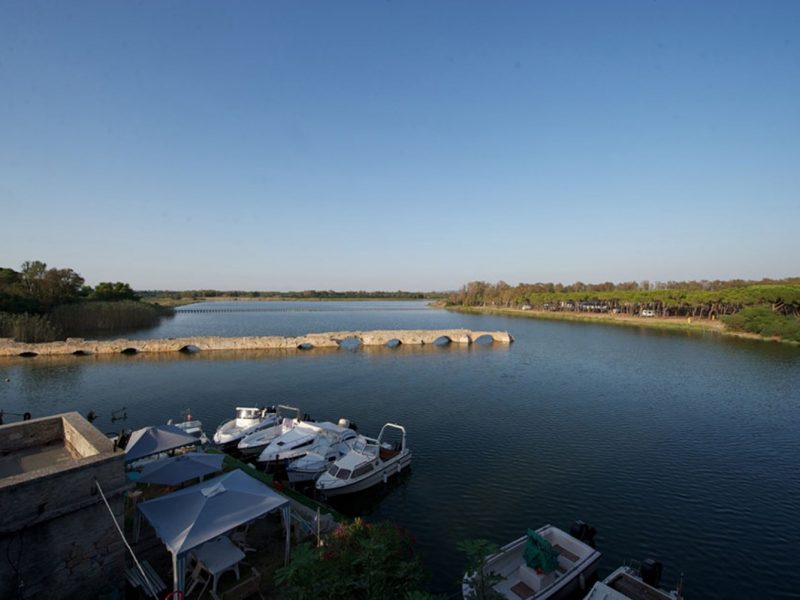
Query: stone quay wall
[[57, 538], [80, 346]]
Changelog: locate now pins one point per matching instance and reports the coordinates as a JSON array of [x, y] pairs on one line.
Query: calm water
[[684, 449]]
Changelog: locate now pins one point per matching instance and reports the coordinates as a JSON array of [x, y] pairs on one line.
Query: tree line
[[704, 299]]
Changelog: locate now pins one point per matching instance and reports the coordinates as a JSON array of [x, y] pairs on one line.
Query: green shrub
[[763, 321], [361, 561]]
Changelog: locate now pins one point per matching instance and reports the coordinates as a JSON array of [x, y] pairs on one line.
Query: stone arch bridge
[[81, 347]]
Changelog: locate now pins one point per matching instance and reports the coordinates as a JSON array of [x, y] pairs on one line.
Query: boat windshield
[[245, 413], [362, 444]]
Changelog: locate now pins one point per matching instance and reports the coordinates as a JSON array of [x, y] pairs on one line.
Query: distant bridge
[[391, 338]]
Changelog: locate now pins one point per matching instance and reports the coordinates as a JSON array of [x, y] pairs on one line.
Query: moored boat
[[247, 420], [298, 442], [628, 583], [368, 463], [191, 426], [327, 448], [546, 564], [286, 419]]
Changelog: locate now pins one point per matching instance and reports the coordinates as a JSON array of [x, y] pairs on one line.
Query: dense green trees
[[112, 292], [767, 307], [41, 304], [683, 299], [36, 289]]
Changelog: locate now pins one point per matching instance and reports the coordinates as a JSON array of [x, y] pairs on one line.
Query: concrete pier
[[80, 346]]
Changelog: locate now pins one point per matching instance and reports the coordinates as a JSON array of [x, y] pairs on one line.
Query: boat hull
[[297, 476], [389, 468]]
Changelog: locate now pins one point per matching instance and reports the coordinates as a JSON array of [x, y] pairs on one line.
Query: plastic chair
[[198, 576]]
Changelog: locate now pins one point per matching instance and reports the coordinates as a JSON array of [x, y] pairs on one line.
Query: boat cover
[[539, 553]]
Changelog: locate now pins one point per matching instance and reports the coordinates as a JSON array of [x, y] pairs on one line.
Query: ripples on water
[[678, 447]]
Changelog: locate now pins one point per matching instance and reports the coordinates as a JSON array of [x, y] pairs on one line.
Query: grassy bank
[[168, 302], [665, 323]]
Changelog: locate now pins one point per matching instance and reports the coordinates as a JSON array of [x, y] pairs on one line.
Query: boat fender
[[650, 572], [584, 532], [582, 582], [385, 477], [26, 416]]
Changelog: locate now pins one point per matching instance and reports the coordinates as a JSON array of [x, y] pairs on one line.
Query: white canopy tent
[[178, 469], [194, 515]]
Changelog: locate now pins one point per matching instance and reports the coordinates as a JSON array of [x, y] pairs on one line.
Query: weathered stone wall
[[57, 539], [77, 555], [312, 340], [38, 432]]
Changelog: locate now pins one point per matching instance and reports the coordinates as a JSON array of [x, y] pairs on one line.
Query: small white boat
[[368, 463], [286, 419], [547, 564], [247, 420], [628, 583], [297, 443], [192, 427]]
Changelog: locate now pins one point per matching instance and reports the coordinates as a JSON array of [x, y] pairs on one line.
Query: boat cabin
[[244, 413]]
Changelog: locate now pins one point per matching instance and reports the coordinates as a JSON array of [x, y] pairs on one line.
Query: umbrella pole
[[287, 525], [178, 573], [175, 582]]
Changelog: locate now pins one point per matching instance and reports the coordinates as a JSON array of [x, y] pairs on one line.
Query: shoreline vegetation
[[663, 323], [40, 304], [767, 309]]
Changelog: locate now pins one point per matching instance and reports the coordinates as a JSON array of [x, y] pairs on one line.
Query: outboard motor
[[584, 532], [650, 572]]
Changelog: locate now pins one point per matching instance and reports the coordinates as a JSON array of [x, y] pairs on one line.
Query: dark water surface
[[684, 448]]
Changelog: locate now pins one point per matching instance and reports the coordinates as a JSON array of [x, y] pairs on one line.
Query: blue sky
[[387, 145]]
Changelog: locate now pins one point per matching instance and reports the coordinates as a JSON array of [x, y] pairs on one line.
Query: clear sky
[[400, 144]]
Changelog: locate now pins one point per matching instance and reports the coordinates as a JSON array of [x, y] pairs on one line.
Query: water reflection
[[664, 441]]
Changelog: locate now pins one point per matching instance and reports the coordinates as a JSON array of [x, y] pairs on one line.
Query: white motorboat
[[248, 420], [546, 564], [191, 426], [628, 583], [297, 443], [368, 463], [286, 419]]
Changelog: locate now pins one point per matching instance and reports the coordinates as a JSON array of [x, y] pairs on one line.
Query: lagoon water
[[681, 447]]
